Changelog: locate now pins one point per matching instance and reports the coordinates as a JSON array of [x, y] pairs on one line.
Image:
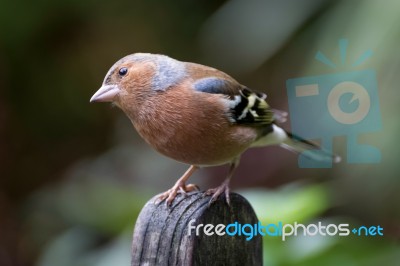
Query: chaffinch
[[196, 114]]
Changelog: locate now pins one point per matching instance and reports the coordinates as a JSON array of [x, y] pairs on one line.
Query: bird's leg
[[180, 186], [224, 187]]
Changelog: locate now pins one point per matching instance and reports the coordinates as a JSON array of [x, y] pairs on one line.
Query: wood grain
[[161, 234]]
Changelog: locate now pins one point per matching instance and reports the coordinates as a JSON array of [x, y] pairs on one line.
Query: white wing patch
[[252, 100]]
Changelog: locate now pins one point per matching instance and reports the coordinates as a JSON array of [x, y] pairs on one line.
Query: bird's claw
[[216, 192], [171, 193]]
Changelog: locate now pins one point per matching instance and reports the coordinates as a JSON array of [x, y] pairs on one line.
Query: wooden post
[[161, 235]]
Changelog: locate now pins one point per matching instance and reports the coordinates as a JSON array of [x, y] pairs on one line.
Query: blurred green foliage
[[74, 176], [306, 204]]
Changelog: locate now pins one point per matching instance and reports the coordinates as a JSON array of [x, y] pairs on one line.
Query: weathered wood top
[[161, 235]]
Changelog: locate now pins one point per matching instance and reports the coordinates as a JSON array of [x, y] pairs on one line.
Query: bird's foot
[[179, 187], [216, 192]]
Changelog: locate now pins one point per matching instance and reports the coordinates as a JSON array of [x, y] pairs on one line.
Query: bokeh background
[[74, 175]]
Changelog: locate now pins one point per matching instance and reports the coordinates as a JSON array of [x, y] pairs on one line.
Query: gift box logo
[[347, 103]]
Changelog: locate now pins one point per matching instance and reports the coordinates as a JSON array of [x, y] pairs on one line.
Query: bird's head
[[127, 77], [136, 77]]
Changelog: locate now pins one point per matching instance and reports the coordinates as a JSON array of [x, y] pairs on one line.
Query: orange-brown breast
[[191, 127]]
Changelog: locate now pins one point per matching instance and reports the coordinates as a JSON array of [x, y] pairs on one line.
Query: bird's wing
[[250, 108], [246, 107]]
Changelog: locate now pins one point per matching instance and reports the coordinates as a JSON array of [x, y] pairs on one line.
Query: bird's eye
[[122, 71]]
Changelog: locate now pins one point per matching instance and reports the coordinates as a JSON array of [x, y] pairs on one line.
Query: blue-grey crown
[[168, 72]]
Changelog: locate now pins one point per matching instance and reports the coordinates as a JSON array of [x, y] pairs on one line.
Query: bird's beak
[[106, 93]]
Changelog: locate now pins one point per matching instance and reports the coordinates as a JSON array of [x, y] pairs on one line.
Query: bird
[[197, 115]]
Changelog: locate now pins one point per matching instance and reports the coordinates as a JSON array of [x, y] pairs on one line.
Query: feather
[[246, 107]]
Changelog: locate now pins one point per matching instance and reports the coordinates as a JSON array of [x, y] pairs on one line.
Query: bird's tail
[[308, 149]]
